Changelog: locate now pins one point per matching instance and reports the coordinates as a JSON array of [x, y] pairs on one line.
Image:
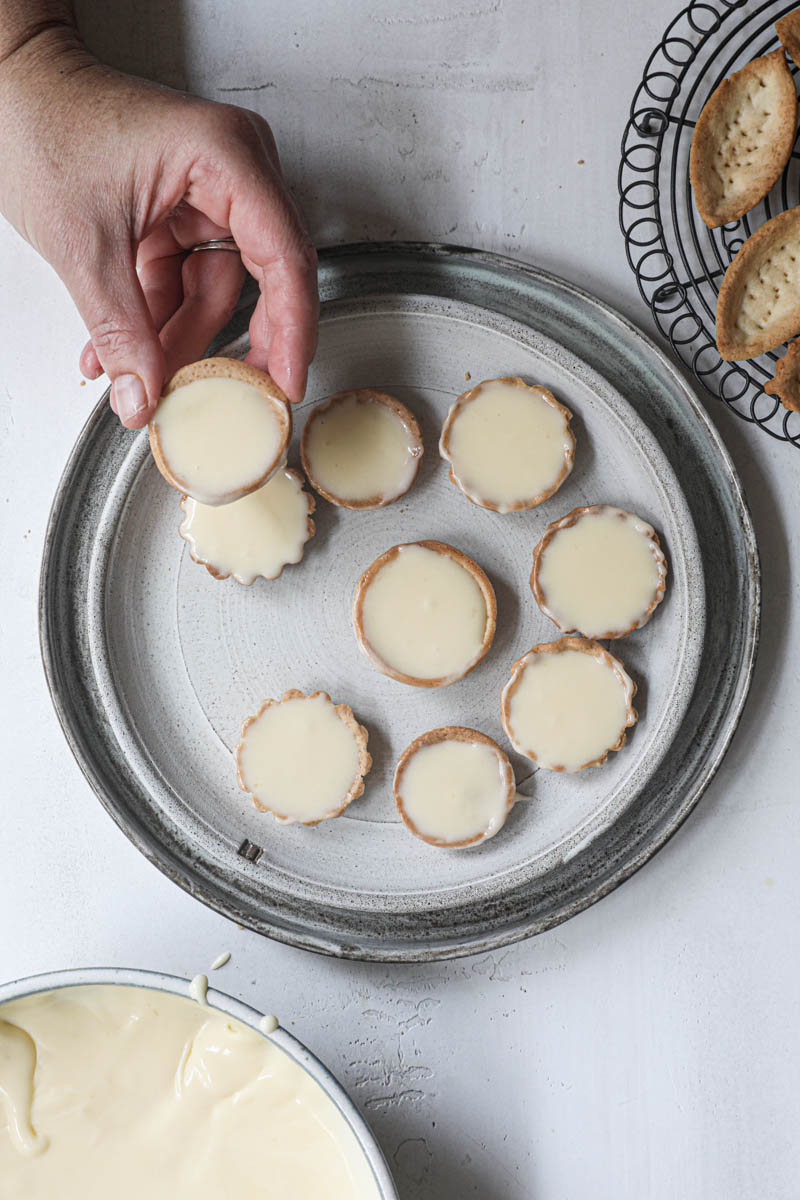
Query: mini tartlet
[[599, 571], [568, 704], [508, 443], [424, 614], [221, 430], [361, 449], [256, 536], [454, 787], [302, 758]]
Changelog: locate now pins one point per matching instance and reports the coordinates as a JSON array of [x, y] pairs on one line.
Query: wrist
[[48, 52], [23, 22]]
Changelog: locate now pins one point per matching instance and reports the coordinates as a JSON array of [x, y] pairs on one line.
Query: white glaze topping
[[454, 791], [257, 535], [507, 444], [424, 615], [138, 1093], [198, 989], [567, 709], [299, 759], [601, 574], [360, 449], [217, 436]]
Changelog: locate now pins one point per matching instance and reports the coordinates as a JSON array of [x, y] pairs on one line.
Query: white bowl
[[156, 981]]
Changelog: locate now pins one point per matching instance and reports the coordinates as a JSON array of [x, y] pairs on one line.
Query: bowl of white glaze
[[377, 1172]]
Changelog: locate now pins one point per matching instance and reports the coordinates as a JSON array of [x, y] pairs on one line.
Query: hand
[[112, 179]]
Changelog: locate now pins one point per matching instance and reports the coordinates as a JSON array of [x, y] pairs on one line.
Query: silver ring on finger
[[226, 243]]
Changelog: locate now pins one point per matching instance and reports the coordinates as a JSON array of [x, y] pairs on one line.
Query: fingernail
[[129, 396]]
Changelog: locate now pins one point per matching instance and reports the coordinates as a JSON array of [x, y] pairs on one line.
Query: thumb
[[110, 299]]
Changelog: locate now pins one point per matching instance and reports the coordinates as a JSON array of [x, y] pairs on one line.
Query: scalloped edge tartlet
[[571, 519], [226, 368], [477, 573], [453, 733], [360, 736], [371, 396], [311, 505], [584, 646], [529, 502]]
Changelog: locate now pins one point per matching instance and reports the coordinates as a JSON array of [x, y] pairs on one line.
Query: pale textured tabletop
[[649, 1047]]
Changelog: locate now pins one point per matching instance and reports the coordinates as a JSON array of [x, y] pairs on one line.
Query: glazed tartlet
[[221, 430], [256, 536], [424, 614], [599, 571], [361, 449], [509, 444], [303, 758], [568, 704], [454, 787]]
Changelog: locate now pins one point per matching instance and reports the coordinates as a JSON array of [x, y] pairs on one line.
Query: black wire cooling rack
[[678, 262]]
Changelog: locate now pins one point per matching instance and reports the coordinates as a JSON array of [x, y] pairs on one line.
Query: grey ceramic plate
[[153, 664]]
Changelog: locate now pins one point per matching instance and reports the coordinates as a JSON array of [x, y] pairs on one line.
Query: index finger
[[283, 328], [278, 253]]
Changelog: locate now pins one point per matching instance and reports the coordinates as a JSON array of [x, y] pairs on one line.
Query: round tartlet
[[423, 641], [302, 758], [473, 784], [599, 571], [568, 704], [221, 430], [508, 443], [361, 449], [254, 537]]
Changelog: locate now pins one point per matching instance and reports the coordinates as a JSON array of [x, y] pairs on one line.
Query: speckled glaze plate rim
[[603, 339], [160, 981]]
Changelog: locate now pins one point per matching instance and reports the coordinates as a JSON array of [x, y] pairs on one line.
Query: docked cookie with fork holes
[[221, 430], [788, 30], [758, 307], [303, 758], [743, 139], [786, 381]]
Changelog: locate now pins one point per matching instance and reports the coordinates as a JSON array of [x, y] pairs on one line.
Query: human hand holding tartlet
[[113, 179]]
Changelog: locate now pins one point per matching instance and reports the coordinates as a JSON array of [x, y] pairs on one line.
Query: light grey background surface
[[647, 1048]]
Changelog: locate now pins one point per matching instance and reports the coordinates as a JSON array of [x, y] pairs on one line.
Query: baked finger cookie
[[743, 139], [758, 307], [786, 382], [788, 30]]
